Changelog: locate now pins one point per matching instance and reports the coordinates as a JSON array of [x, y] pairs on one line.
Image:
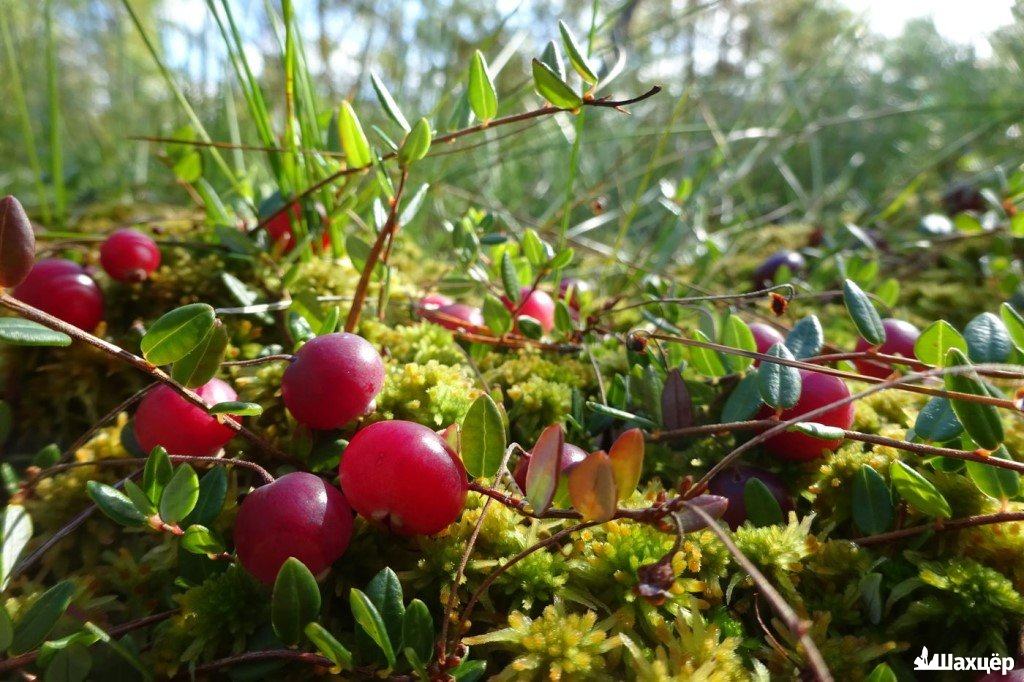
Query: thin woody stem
[[109, 416], [954, 524]]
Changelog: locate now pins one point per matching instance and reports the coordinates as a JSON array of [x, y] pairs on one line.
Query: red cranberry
[[577, 286], [279, 229], [333, 380], [129, 256], [404, 475], [764, 275], [732, 483], [765, 336], [817, 390], [298, 515], [450, 316], [61, 288], [536, 304], [900, 337], [434, 301], [165, 418], [571, 455]]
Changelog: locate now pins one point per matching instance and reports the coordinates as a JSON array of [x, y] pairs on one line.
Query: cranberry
[[129, 256], [765, 336], [764, 275], [333, 380], [571, 455], [536, 304], [61, 288], [900, 337], [434, 301], [403, 475], [962, 196], [732, 483], [165, 418], [816, 390], [279, 229], [577, 286], [451, 315], [298, 515]]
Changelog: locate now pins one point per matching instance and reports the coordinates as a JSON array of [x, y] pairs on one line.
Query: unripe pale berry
[[129, 256], [764, 275], [732, 483], [333, 379], [900, 337], [279, 229], [571, 455], [452, 314], [765, 336], [816, 390], [434, 301], [165, 418], [536, 304], [298, 515], [63, 289], [405, 476]]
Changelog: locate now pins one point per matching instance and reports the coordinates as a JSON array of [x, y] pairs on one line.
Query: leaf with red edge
[[17, 243], [542, 473], [627, 459], [592, 487]]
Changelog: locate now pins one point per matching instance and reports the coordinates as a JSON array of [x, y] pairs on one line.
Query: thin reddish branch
[[255, 656], [940, 525]]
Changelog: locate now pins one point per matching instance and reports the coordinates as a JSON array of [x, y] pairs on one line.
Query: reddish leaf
[[453, 436], [542, 473], [592, 487], [676, 403], [17, 243], [627, 460]]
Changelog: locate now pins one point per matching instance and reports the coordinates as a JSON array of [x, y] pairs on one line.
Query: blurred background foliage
[[771, 110]]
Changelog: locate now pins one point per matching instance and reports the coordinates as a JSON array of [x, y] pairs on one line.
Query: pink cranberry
[[571, 455], [333, 379], [405, 476], [434, 301], [765, 336], [537, 304], [817, 390], [900, 337], [129, 256], [298, 515], [456, 316], [764, 275], [732, 483], [61, 288], [165, 418], [279, 229]]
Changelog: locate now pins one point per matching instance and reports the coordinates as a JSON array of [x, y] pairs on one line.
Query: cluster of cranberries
[[533, 303], [65, 289]]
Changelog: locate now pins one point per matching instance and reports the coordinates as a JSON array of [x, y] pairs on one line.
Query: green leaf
[[367, 616], [889, 292], [416, 144], [388, 102], [936, 340], [180, 496], [744, 401], [201, 364], [937, 422], [385, 591], [6, 421], [542, 472], [201, 540], [979, 419], [552, 88], [996, 482], [736, 334], [482, 98], [114, 504], [330, 647], [469, 671], [237, 408], [1014, 323], [762, 507], [534, 248], [562, 259], [872, 502], [15, 532], [295, 602], [18, 332], [530, 327], [882, 673], [157, 473], [418, 630], [863, 313], [807, 338], [353, 139], [483, 438], [176, 333], [244, 295], [576, 58], [988, 339], [213, 489], [6, 628], [563, 318], [918, 491], [69, 664], [497, 317], [705, 360], [35, 624], [509, 277], [139, 498], [552, 57], [779, 384], [816, 430]]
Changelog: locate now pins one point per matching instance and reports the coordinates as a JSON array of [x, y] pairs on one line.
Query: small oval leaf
[[807, 338], [18, 332], [627, 459], [918, 491], [872, 502], [32, 628], [482, 97], [367, 616], [416, 144], [762, 507], [576, 58], [353, 139], [203, 361], [542, 472], [180, 495], [779, 385], [552, 88], [17, 243], [936, 340], [483, 438], [295, 601], [592, 487], [988, 339], [979, 419], [175, 334], [863, 313], [114, 504]]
